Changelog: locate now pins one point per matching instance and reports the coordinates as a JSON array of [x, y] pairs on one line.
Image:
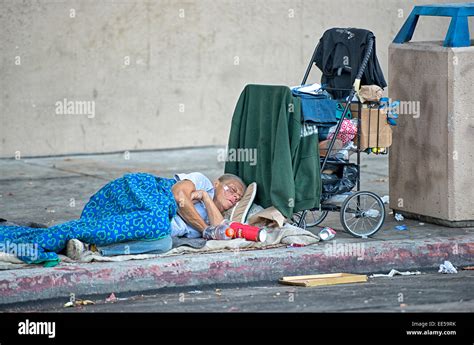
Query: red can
[[250, 233]]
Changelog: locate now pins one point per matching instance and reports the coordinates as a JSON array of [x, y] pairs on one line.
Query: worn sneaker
[[75, 248], [241, 209]]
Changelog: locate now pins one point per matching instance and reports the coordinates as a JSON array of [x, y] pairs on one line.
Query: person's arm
[[182, 192]]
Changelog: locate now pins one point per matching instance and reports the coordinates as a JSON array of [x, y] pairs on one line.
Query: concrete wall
[[161, 73], [432, 156]]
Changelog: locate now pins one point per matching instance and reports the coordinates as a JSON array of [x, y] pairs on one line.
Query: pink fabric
[[347, 132]]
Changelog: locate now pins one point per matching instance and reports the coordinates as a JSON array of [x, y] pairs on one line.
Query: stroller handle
[[368, 52]]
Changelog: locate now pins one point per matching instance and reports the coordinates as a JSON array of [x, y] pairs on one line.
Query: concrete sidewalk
[[54, 190]]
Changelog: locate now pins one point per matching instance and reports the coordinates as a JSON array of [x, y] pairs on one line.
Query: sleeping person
[[136, 213]]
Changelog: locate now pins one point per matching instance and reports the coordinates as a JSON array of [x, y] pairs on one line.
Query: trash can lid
[[458, 32]]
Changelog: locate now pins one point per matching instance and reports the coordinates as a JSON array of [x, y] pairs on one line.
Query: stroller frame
[[354, 204]]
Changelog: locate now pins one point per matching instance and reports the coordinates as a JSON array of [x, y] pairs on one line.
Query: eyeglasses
[[232, 191]]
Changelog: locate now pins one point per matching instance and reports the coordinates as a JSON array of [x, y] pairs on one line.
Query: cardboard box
[[324, 145], [369, 135], [374, 131]]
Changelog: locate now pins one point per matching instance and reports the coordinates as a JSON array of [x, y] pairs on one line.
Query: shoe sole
[[241, 209], [74, 249]]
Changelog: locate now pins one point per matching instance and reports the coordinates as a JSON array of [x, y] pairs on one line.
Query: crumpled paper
[[370, 93]]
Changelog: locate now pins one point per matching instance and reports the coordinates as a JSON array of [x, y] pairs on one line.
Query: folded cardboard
[[374, 129]]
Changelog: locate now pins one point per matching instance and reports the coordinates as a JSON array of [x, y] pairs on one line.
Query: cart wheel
[[296, 220], [362, 214], [312, 218]]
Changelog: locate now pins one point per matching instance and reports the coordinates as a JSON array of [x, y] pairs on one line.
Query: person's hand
[[199, 195]]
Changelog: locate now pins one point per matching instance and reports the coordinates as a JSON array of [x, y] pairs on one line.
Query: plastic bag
[[345, 182], [346, 151]]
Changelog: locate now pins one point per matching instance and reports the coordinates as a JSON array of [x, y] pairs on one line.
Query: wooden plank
[[293, 283], [334, 281], [323, 279]]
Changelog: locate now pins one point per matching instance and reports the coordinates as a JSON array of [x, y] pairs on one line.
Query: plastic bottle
[[222, 231], [371, 213]]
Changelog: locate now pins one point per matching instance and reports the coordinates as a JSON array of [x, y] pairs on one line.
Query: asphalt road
[[428, 292]]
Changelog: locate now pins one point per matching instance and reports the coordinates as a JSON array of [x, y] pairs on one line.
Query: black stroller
[[362, 213]]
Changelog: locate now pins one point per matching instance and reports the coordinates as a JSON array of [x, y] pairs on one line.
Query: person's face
[[227, 194]]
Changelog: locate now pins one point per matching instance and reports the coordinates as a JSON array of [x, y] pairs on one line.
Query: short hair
[[226, 177]]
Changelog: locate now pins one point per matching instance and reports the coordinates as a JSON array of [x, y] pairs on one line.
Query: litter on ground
[[447, 267], [394, 272]]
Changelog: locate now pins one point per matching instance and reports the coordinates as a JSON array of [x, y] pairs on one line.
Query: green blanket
[[269, 144]]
